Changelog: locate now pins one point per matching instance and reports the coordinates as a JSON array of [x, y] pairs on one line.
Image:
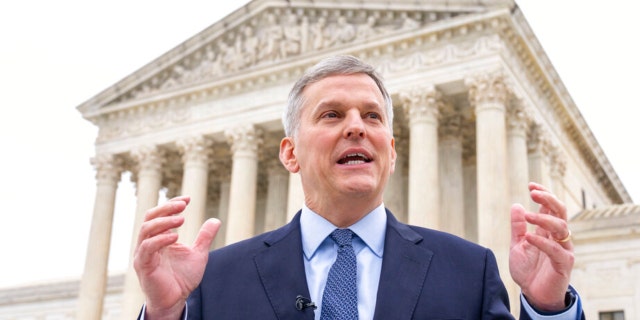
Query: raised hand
[[540, 262], [167, 270]]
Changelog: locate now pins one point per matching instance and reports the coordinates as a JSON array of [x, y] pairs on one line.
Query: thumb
[[518, 224], [206, 234]]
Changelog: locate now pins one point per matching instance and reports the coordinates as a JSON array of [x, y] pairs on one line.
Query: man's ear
[[394, 156], [288, 156]]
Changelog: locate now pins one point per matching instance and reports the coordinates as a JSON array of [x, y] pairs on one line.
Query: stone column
[[223, 212], [261, 201], [395, 193], [538, 145], [94, 279], [244, 142], [517, 154], [196, 154], [422, 106], [295, 197], [488, 94], [470, 177], [451, 174], [149, 161], [172, 174], [223, 178], [277, 190], [558, 169]]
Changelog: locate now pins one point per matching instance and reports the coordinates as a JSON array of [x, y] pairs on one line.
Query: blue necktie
[[340, 297]]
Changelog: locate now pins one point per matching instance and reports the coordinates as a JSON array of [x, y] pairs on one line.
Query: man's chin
[[360, 188]]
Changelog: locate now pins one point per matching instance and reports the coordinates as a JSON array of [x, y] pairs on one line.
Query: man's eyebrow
[[327, 104]]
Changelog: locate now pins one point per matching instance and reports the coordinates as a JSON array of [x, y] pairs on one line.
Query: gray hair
[[332, 66]]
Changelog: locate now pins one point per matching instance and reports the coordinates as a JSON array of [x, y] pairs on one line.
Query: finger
[[518, 224], [157, 226], [536, 186], [549, 202], [555, 227], [171, 207], [185, 199], [533, 186], [562, 258], [206, 234], [147, 249]]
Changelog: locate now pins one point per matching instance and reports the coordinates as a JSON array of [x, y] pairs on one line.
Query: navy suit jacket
[[426, 274]]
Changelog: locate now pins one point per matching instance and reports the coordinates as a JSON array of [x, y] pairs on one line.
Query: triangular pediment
[[268, 32]]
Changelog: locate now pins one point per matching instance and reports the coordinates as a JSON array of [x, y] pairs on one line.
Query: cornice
[[389, 16], [521, 38], [418, 49]]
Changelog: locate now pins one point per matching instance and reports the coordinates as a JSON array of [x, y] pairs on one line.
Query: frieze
[[147, 118], [447, 53], [135, 118], [278, 34]]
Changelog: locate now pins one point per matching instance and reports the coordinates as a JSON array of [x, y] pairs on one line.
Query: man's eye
[[373, 115], [330, 115]]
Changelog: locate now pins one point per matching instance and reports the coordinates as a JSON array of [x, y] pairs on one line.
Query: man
[[338, 127]]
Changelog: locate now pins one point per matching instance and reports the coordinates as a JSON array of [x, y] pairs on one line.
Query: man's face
[[343, 146]]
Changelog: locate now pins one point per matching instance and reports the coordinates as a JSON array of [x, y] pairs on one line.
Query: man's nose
[[354, 127]]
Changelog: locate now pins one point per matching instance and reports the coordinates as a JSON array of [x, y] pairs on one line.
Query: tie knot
[[342, 237]]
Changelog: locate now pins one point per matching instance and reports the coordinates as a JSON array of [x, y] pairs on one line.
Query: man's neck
[[344, 212]]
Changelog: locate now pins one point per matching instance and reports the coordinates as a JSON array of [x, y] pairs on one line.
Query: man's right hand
[[167, 270]]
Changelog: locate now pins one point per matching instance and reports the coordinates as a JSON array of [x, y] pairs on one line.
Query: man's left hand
[[540, 262]]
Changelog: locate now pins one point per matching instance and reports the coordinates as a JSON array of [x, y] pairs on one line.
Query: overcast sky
[[54, 55]]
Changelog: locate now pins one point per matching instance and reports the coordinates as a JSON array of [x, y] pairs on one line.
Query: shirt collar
[[371, 229]]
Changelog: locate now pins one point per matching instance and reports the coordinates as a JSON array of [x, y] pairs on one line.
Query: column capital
[[148, 157], [538, 139], [108, 167], [195, 149], [558, 162], [247, 138], [518, 118], [487, 88], [450, 124], [422, 103]]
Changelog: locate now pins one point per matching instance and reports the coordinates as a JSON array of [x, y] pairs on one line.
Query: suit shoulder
[[435, 239], [252, 246]]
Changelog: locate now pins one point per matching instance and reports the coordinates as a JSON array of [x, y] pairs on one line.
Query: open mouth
[[354, 158]]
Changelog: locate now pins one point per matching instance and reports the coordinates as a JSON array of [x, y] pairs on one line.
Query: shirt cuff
[[572, 312], [185, 312]]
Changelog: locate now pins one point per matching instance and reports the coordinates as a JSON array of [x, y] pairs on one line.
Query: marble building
[[480, 111]]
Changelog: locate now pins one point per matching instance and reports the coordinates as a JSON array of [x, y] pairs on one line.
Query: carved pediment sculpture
[[276, 34]]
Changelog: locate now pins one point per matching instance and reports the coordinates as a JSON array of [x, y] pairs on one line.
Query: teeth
[[361, 155], [354, 158]]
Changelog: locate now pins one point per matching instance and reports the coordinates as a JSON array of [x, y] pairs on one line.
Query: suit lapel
[[281, 270], [404, 269]]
